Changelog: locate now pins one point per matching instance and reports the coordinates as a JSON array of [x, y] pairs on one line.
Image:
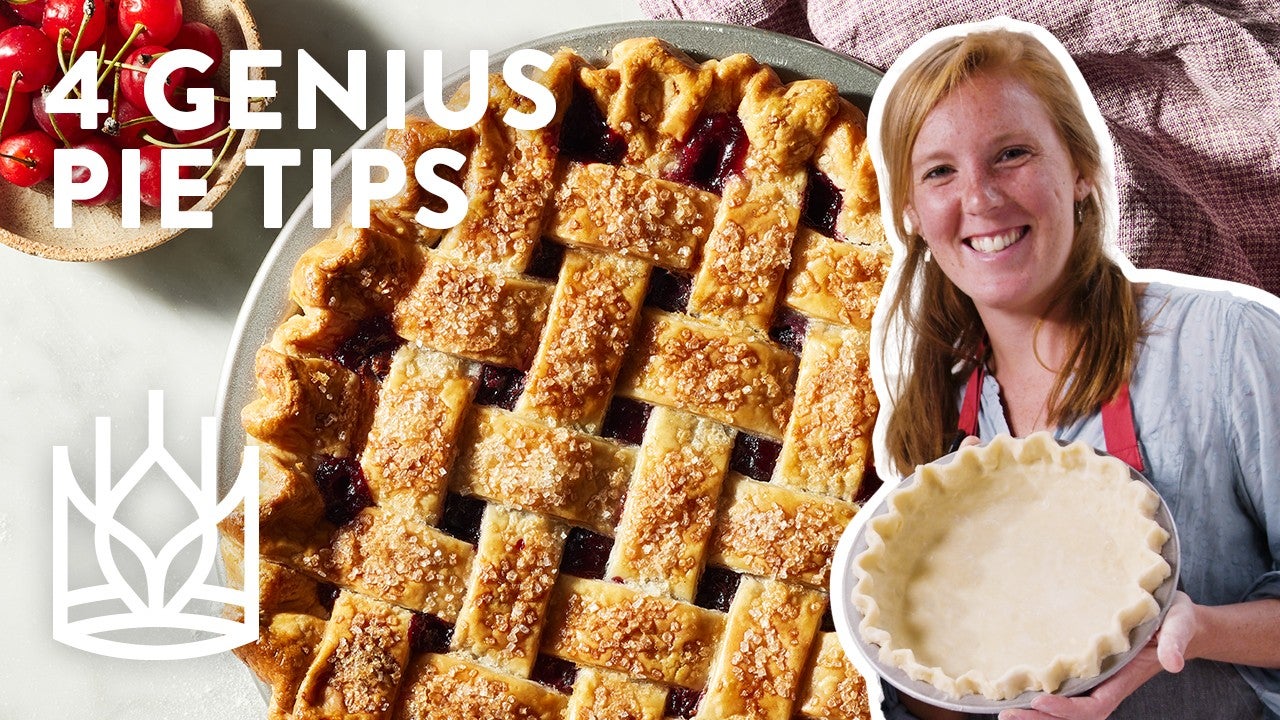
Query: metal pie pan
[[267, 303], [848, 618]]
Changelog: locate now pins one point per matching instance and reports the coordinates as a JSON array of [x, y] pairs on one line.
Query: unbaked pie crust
[[1015, 567]]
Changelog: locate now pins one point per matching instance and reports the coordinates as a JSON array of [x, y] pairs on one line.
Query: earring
[[928, 255], [1080, 212]]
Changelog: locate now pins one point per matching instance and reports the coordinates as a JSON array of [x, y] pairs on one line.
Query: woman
[[997, 185]]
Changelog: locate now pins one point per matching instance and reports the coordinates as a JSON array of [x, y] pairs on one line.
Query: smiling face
[[992, 192]]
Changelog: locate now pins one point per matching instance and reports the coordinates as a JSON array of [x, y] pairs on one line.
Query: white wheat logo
[[153, 611]]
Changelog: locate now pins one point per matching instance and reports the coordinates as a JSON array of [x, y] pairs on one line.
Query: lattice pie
[[588, 453], [1014, 567]]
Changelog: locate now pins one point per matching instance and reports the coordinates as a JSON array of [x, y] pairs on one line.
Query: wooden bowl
[[26, 214]]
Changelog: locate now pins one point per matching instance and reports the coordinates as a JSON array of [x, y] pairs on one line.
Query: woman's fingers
[[1176, 631], [1100, 703]]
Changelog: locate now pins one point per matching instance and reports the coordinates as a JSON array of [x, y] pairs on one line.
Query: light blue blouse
[[1206, 402]]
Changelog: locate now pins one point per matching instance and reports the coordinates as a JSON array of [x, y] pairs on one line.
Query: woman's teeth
[[995, 243]]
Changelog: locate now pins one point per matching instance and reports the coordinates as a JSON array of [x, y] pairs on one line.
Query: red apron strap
[[972, 402], [1119, 430], [1117, 419]]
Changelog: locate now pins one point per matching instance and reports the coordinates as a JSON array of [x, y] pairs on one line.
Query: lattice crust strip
[[501, 619], [763, 652], [671, 505], [587, 454]]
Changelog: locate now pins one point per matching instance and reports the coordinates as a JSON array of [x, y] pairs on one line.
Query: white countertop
[[79, 341]]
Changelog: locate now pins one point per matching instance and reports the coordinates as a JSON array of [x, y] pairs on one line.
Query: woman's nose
[[981, 192]]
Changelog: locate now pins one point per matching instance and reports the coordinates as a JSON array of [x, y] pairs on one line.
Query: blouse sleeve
[[1253, 412], [1253, 408]]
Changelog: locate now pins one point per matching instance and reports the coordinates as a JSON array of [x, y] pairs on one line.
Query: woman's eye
[[937, 172], [1014, 153]]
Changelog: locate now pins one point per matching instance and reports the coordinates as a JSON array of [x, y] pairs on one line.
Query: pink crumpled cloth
[[1190, 91]]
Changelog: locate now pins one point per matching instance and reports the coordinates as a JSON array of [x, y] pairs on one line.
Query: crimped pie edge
[[1019, 679]]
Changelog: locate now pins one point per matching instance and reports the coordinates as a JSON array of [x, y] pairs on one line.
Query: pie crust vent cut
[[1014, 567], [588, 453]]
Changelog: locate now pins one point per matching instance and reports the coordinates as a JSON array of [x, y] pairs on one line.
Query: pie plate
[[267, 303], [847, 617]]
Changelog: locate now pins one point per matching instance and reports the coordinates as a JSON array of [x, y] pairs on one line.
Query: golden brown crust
[[519, 462], [413, 439], [750, 246], [441, 687], [766, 642], [607, 695], [829, 438], [354, 273], [308, 405], [769, 530], [397, 216], [844, 159], [291, 624], [612, 626], [836, 281], [359, 662], [509, 179], [397, 558], [589, 326], [702, 368], [667, 522], [467, 310], [507, 596], [290, 509], [620, 210], [658, 101], [832, 688]]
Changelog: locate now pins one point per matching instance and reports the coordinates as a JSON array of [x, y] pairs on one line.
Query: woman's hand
[[1168, 650]]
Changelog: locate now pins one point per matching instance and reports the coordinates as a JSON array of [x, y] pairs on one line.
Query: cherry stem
[[44, 91], [64, 63], [181, 146], [8, 98], [115, 98], [84, 22], [137, 29], [226, 144], [137, 121], [21, 2], [28, 162]]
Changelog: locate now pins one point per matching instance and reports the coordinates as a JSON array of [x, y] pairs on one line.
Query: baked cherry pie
[[587, 454]]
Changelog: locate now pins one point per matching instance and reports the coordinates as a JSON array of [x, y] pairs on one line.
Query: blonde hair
[[941, 329]]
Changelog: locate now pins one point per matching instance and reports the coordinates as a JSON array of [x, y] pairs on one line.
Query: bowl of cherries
[[46, 68]]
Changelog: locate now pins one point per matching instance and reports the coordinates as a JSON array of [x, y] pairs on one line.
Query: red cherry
[[64, 125], [150, 176], [28, 54], [64, 18], [111, 155], [30, 13], [160, 20], [201, 38], [5, 23], [207, 136], [26, 158], [133, 77], [131, 126], [19, 111]]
